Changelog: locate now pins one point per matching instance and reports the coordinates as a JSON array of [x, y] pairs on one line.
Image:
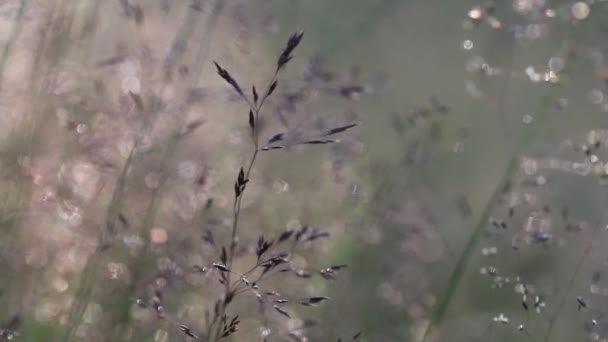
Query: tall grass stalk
[[51, 49], [15, 31], [457, 274], [183, 35], [528, 137], [221, 326], [589, 246], [255, 109]]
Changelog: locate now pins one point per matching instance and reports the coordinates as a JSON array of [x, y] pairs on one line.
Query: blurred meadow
[[465, 205]]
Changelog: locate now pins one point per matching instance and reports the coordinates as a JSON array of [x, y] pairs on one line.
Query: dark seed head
[[281, 311], [220, 267]]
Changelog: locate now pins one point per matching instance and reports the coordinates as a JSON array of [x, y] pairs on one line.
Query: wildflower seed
[[281, 311], [501, 319], [582, 303], [221, 267], [188, 331]]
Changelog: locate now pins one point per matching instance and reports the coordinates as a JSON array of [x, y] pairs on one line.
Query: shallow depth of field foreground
[[304, 170]]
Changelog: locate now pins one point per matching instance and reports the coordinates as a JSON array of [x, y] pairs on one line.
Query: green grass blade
[[440, 309]]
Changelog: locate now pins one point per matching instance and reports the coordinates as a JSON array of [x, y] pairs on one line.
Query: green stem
[[572, 280], [184, 34], [458, 272], [15, 30]]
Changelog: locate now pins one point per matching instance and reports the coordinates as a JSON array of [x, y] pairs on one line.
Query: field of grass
[[471, 191]]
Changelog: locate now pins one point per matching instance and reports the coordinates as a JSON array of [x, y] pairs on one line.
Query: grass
[[114, 208], [183, 35], [471, 247], [266, 265], [396, 216], [464, 261]]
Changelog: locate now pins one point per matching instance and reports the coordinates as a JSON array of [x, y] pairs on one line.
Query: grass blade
[[440, 309]]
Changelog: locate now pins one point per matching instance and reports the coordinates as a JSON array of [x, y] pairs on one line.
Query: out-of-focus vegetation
[[468, 202]]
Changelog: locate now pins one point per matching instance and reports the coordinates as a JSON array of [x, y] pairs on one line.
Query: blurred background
[[468, 202]]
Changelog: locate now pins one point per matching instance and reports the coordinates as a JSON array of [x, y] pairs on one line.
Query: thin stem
[[238, 200], [573, 278], [458, 272], [15, 31], [255, 137]]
